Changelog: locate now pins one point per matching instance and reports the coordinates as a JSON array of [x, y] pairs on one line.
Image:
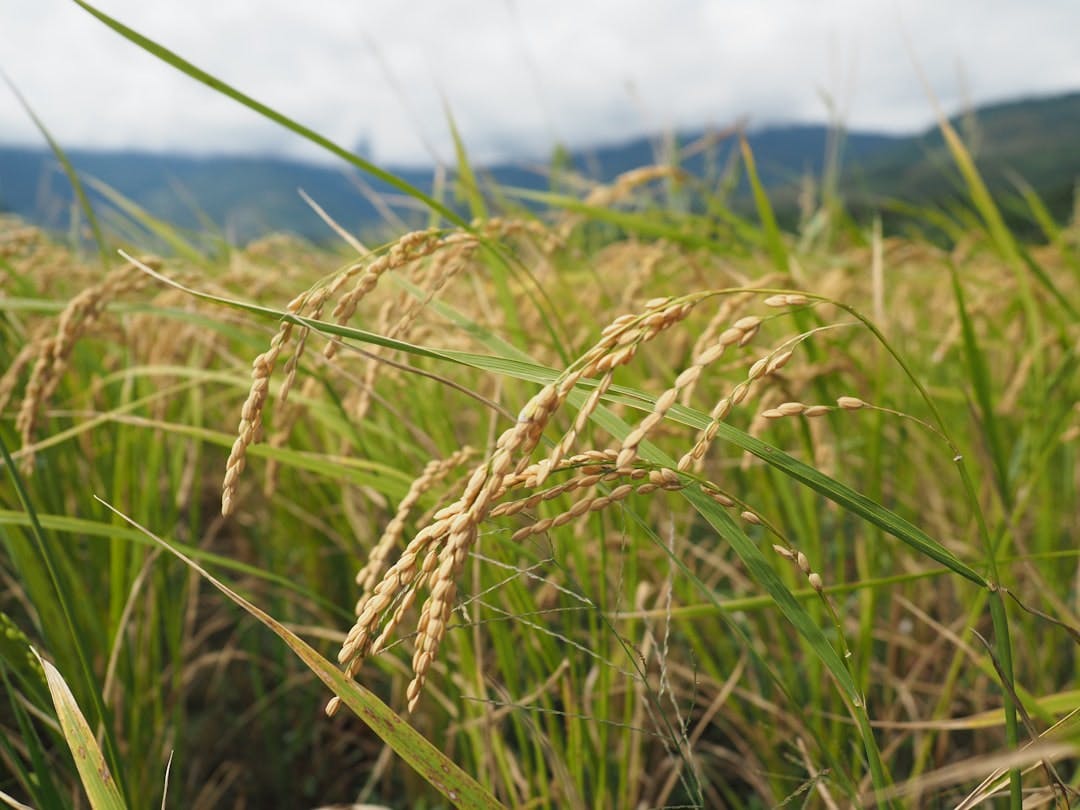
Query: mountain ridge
[[246, 196]]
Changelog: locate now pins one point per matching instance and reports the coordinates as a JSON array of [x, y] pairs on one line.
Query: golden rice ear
[[53, 353], [444, 544], [251, 416]]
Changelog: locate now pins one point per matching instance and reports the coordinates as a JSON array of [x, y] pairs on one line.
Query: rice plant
[[622, 504]]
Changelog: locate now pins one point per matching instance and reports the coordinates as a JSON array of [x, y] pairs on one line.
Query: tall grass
[[789, 527]]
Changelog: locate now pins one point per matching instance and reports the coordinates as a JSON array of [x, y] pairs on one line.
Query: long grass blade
[[999, 232], [774, 239], [435, 767], [101, 788], [979, 374], [49, 561], [181, 64], [69, 171], [467, 181]]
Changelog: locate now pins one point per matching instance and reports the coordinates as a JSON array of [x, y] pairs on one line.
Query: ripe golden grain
[[53, 353], [850, 403], [251, 416], [452, 534], [434, 472]]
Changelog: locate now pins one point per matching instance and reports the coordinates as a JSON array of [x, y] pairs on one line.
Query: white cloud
[[516, 74]]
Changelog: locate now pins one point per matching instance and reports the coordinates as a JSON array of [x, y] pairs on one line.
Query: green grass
[[657, 652]]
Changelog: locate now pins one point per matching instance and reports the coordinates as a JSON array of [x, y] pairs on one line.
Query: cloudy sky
[[518, 75]]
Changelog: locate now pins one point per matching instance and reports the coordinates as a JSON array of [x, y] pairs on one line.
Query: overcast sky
[[518, 75]]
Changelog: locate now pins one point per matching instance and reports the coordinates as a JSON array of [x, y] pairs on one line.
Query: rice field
[[622, 503]]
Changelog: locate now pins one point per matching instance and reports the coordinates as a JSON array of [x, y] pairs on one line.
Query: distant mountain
[[1037, 140], [245, 197]]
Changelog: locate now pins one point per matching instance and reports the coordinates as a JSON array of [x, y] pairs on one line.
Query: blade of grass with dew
[[435, 767], [101, 788], [69, 170]]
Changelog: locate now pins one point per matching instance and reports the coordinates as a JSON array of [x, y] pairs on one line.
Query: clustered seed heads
[[433, 473], [251, 416], [738, 334], [786, 409], [606, 196], [452, 259], [618, 344], [407, 249], [435, 556], [53, 353], [365, 275], [657, 479], [432, 560]]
